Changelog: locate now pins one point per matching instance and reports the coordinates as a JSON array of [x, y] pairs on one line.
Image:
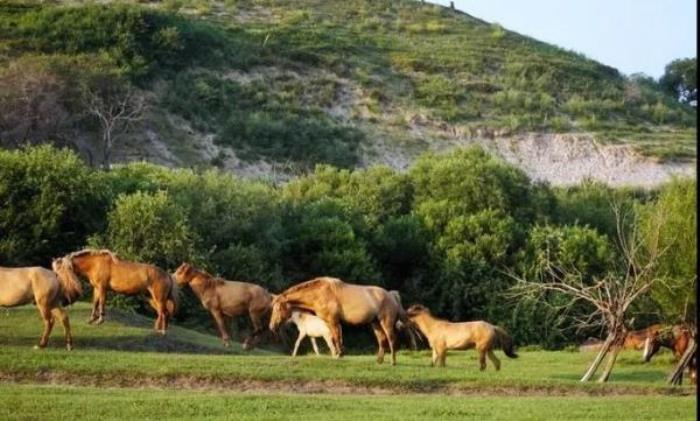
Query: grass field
[[123, 370]]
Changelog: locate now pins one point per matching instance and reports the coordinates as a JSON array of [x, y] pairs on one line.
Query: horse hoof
[[99, 322], [69, 347]]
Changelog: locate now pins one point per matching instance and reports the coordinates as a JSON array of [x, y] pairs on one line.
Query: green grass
[[101, 351], [121, 370], [35, 402]]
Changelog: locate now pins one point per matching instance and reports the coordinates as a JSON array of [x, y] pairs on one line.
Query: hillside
[[271, 88], [122, 331]]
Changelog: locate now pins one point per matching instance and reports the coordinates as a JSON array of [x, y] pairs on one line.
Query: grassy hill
[[288, 84], [122, 331]]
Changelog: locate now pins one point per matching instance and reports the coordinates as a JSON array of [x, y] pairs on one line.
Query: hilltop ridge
[[271, 88]]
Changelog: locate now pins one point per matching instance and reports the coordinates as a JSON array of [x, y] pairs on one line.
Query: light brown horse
[[676, 338], [48, 290], [226, 299], [443, 335], [107, 272], [634, 339], [335, 301]]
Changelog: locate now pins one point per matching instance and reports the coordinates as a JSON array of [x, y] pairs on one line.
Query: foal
[[443, 335], [313, 327]]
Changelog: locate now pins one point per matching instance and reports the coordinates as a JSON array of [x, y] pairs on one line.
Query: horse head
[[281, 311], [417, 309], [70, 284], [652, 344], [183, 274]]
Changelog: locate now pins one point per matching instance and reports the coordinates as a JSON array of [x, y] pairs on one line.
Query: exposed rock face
[[565, 159]]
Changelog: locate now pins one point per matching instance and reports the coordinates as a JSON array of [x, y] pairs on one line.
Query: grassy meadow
[[124, 370]]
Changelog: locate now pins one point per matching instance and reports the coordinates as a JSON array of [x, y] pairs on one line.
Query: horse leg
[[63, 318], [300, 338], [442, 355], [391, 339], [381, 338], [221, 325], [329, 342], [496, 362], [337, 335], [95, 305], [314, 345], [47, 318], [434, 359], [102, 297], [482, 360]]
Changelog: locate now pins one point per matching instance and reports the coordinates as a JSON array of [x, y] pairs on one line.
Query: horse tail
[[404, 323], [68, 281], [172, 302], [505, 342]]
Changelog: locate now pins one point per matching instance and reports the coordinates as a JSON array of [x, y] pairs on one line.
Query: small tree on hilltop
[[116, 105], [610, 295]]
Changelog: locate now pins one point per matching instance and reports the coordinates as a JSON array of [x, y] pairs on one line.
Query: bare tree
[[117, 106], [610, 296]]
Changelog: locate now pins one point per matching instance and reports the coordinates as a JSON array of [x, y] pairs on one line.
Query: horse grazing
[[313, 327], [335, 301], [443, 335], [107, 272], [676, 338], [48, 290], [226, 299]]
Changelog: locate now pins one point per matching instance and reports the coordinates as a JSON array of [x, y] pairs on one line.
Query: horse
[[634, 339], [49, 291], [226, 299], [443, 335], [676, 338], [335, 301], [313, 327], [107, 272]]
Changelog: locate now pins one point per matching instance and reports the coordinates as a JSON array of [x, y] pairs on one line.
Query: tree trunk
[[676, 376], [599, 358], [610, 364]]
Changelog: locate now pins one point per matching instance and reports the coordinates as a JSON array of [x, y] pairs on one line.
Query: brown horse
[[335, 301], [226, 299], [634, 339], [676, 338], [48, 290], [107, 272], [443, 335]]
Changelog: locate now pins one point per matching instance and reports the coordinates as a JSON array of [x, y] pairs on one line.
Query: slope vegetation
[[269, 87]]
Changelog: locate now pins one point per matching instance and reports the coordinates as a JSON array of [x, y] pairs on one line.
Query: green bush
[[50, 201]]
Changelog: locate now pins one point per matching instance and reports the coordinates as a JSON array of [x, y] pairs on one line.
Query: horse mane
[[419, 308], [208, 280], [93, 252], [70, 284], [310, 284]]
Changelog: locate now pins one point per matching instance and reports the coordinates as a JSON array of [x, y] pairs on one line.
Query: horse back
[[133, 277], [361, 304], [20, 286]]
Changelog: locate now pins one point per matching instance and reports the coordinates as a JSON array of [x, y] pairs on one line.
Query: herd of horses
[[318, 307]]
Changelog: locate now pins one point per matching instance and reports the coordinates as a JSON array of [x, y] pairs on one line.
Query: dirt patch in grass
[[335, 387]]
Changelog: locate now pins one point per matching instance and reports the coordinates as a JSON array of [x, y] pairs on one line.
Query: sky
[[630, 35]]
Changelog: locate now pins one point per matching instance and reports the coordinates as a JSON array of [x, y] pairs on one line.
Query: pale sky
[[630, 35]]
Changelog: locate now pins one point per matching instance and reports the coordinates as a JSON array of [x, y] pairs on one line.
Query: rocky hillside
[[271, 88]]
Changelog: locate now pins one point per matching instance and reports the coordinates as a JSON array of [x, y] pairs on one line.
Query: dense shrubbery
[[444, 234]]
